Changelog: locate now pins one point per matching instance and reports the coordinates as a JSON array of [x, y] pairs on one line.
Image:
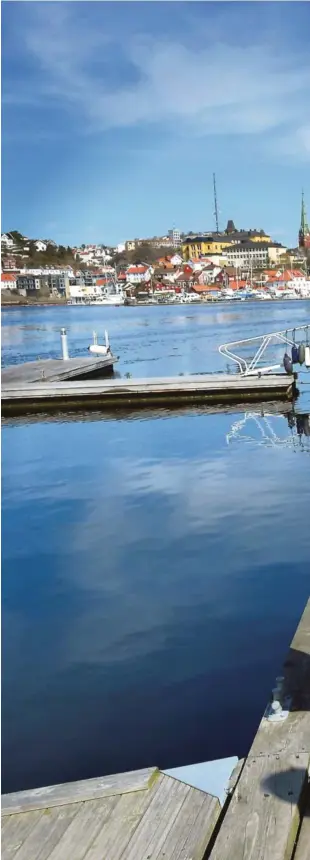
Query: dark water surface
[[153, 569]]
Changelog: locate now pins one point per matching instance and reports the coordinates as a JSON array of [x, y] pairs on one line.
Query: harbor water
[[155, 566]]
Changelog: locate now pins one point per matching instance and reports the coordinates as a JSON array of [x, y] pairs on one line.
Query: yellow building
[[199, 246], [216, 243]]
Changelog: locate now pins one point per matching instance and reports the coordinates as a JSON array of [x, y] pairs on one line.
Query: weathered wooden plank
[[129, 393], [53, 369], [14, 832], [235, 776], [292, 735], [82, 830], [263, 816], [303, 842], [192, 829], [160, 816], [205, 382], [74, 792], [46, 833], [116, 833]]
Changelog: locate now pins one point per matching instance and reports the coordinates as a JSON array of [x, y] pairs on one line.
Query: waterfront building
[[250, 253], [219, 242], [8, 281], [33, 285]]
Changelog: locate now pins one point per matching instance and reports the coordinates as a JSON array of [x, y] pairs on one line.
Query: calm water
[[154, 570]]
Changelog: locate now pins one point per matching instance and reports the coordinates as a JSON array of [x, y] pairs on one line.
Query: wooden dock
[[267, 818], [51, 370], [151, 815], [219, 388]]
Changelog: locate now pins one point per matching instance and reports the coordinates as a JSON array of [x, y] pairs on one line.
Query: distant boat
[[114, 299]]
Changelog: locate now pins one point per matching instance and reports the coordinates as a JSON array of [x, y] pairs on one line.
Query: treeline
[[145, 253], [55, 255]]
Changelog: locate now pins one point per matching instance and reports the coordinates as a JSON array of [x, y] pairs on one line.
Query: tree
[[18, 238]]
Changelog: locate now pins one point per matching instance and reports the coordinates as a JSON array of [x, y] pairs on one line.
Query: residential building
[[176, 260], [7, 241], [58, 284], [208, 274], [175, 237], [139, 274], [33, 285], [250, 253], [9, 262], [8, 281], [276, 252]]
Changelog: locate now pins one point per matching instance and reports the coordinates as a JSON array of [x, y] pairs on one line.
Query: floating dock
[[56, 370], [25, 387], [260, 812]]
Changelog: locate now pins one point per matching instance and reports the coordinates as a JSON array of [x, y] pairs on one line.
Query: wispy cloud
[[215, 90]]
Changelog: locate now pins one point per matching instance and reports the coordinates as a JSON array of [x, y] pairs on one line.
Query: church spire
[[304, 232]]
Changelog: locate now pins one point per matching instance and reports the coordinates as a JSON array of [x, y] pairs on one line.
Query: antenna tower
[[216, 214]]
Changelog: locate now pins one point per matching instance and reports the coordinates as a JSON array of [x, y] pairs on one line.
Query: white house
[[7, 240], [139, 274], [176, 260], [8, 281], [40, 246]]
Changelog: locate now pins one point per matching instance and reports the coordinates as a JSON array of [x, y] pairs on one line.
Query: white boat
[[113, 299]]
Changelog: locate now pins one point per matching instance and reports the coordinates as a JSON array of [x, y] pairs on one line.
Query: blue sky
[[116, 114]]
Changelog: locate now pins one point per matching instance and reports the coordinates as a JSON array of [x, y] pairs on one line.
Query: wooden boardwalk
[[133, 816], [268, 818], [217, 388], [54, 370], [149, 815]]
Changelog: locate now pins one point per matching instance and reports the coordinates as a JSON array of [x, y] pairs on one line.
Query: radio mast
[[216, 214]]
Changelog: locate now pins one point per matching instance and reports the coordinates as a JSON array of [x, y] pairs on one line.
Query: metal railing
[[249, 366]]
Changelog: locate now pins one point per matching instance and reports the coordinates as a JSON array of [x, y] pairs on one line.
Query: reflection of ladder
[[268, 435], [250, 366]]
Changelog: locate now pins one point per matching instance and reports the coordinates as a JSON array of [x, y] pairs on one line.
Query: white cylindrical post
[[106, 339], [64, 344]]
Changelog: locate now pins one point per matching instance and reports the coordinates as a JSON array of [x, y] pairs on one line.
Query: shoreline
[[61, 304]]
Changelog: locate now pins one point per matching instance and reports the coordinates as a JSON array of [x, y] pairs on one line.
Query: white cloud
[[295, 143], [219, 89]]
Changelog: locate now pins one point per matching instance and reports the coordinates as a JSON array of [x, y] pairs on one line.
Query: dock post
[[64, 344]]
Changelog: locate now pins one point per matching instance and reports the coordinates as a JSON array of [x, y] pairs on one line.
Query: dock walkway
[[54, 370], [115, 393], [154, 815]]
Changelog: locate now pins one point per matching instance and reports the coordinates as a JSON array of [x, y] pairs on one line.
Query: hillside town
[[195, 267]]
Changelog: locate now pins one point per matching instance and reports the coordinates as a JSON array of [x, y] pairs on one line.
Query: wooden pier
[[21, 388], [160, 815], [52, 370]]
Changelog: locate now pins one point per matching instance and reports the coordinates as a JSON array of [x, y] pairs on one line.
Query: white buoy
[[307, 356], [64, 344], [97, 348]]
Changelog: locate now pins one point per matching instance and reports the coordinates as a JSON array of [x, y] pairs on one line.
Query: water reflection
[[265, 428], [142, 561]]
